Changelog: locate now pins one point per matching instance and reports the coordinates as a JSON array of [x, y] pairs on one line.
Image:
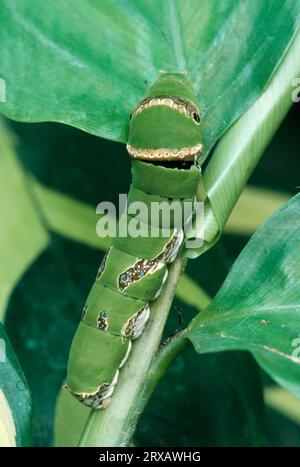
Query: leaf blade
[[258, 306]]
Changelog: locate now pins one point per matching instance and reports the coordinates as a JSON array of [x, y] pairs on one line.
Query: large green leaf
[[87, 63], [258, 307], [15, 400]]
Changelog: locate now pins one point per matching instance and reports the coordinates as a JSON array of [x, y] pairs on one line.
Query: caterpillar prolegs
[[165, 142]]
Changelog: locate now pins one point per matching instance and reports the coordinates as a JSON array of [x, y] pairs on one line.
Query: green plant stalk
[[165, 356], [241, 148], [233, 161]]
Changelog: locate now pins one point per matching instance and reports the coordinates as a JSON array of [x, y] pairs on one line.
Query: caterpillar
[[165, 141]]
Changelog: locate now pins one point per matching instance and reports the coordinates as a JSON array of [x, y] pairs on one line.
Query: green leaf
[[69, 217], [253, 208], [258, 307], [87, 64], [15, 400]]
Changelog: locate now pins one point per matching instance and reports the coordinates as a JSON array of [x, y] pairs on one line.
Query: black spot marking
[[196, 117], [180, 164], [102, 321]]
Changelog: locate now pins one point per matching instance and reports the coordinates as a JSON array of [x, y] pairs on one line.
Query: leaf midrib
[[175, 36]]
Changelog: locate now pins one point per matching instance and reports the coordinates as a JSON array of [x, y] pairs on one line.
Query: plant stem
[[115, 425], [163, 360]]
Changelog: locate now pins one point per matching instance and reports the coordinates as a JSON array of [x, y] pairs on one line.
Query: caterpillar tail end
[[92, 377], [100, 399]]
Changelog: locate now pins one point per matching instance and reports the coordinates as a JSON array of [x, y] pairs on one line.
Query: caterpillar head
[[166, 124]]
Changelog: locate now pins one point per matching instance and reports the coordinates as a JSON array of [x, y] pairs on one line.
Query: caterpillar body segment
[[164, 142]]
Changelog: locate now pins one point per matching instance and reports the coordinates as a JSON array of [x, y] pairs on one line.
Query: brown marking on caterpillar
[[143, 267], [188, 153], [102, 266], [175, 103], [135, 325], [105, 402], [100, 398], [136, 272], [170, 250], [102, 321]]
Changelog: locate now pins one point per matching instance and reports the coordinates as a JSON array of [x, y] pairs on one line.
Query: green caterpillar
[[165, 142]]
